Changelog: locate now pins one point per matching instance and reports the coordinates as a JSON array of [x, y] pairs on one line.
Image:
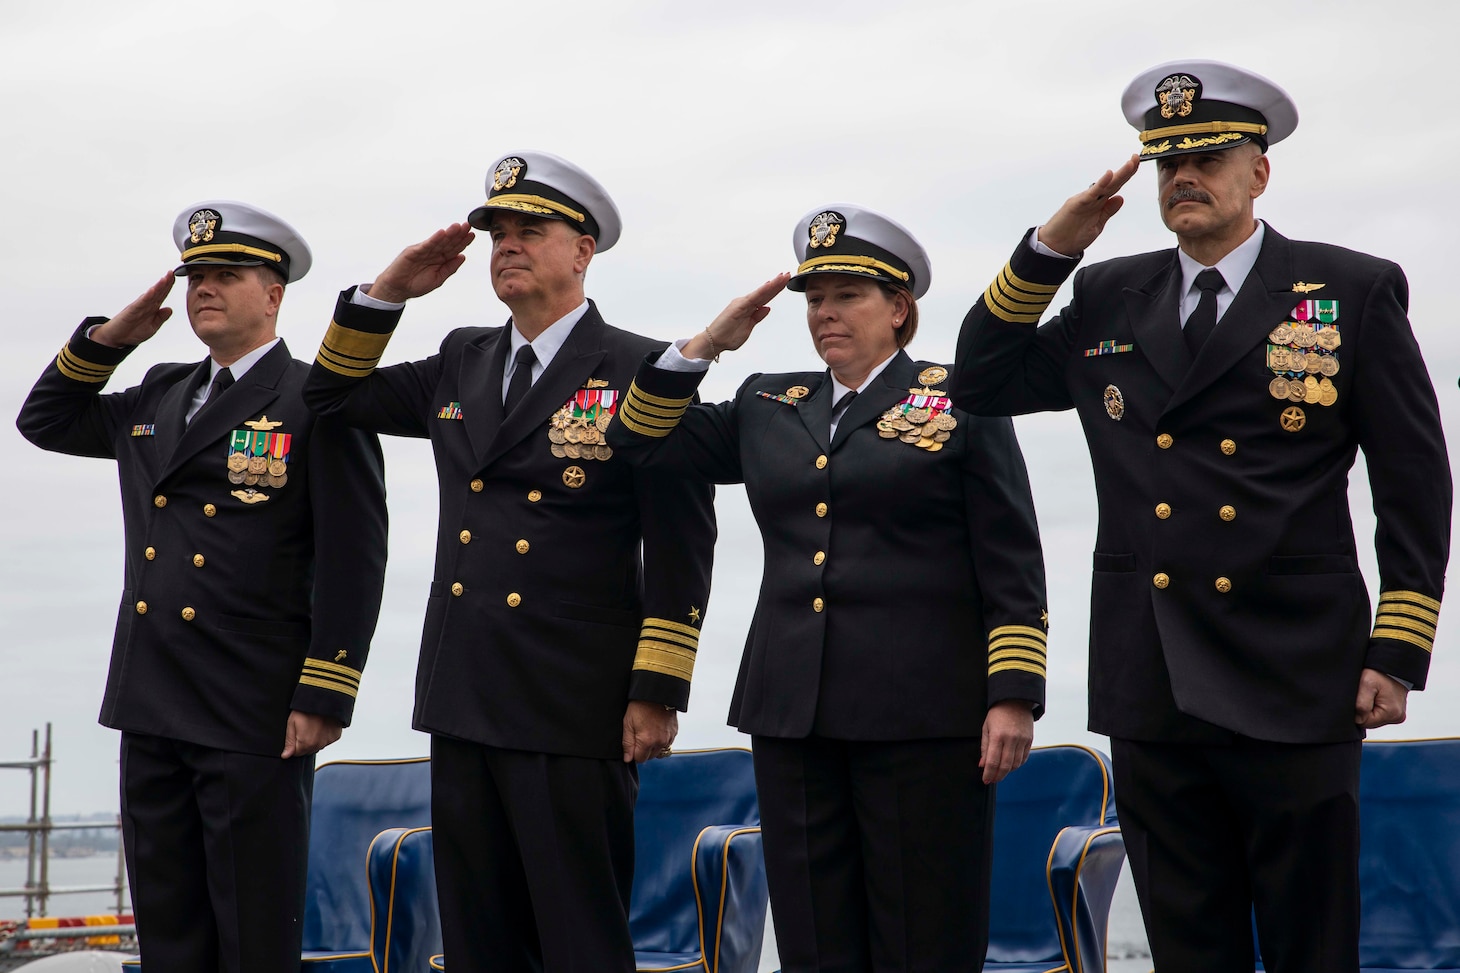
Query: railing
[[38, 889]]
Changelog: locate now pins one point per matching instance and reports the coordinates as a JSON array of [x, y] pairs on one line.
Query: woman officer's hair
[[910, 323]]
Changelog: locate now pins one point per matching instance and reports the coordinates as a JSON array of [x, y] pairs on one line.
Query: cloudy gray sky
[[369, 124]]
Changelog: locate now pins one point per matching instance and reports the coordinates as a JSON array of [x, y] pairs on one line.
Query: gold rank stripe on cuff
[[651, 415], [351, 353], [668, 648], [1013, 299], [81, 370], [1017, 647], [330, 675], [1407, 616]]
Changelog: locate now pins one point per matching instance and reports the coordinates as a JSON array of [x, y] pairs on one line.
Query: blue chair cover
[[406, 930], [1057, 856]]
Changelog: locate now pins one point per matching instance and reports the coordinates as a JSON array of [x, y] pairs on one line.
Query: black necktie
[[1203, 320], [521, 378], [840, 409], [221, 381]]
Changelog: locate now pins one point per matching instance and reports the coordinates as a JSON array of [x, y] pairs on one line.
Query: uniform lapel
[[172, 410], [243, 400], [572, 366], [889, 388], [1155, 312], [1264, 301], [479, 383], [815, 412]]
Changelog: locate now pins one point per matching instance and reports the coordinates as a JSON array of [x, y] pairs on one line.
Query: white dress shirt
[[237, 370]]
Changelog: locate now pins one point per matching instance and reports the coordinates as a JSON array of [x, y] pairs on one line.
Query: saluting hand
[[649, 729], [1008, 732], [422, 268], [139, 320], [732, 328], [1082, 218], [1381, 701]]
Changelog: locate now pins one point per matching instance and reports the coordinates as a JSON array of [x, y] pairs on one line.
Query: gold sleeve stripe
[[1012, 282], [1017, 300], [679, 627], [341, 368], [1413, 611], [1035, 657], [351, 353], [1394, 621], [1413, 597], [651, 634], [1401, 635], [333, 668], [321, 683], [666, 659], [1026, 630], [643, 429], [637, 393], [651, 422], [81, 370], [1010, 642], [654, 411], [1017, 666]]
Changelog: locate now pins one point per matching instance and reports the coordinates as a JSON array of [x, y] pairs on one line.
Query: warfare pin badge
[[1114, 403]]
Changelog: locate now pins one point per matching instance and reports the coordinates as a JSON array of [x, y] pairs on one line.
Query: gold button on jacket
[[477, 486], [821, 510], [1223, 585], [197, 560], [1163, 510], [819, 557], [1228, 512], [1164, 440], [188, 614], [150, 553], [159, 501], [1228, 447], [818, 604], [457, 588], [209, 510], [533, 496], [513, 600], [821, 462], [523, 547], [141, 608], [1161, 580], [465, 537]]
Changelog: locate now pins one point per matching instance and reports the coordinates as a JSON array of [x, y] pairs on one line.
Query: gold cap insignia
[[202, 224], [1303, 287], [797, 392], [824, 228], [263, 424], [596, 383], [933, 375], [505, 176], [1177, 94]]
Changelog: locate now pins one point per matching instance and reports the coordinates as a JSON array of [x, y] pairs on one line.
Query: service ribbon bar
[[1107, 348], [330, 675], [354, 354], [667, 647], [1014, 299], [651, 415], [1407, 616], [1017, 647]]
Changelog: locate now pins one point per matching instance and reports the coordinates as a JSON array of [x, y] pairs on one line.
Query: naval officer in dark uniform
[[1224, 388], [255, 556], [896, 661], [564, 617]]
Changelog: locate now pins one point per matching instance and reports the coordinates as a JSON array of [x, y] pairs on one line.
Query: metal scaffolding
[[38, 889]]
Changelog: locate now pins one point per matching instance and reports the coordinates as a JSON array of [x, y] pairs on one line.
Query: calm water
[[1127, 938]]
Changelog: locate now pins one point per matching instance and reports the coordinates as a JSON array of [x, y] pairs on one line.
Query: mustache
[[1187, 194]]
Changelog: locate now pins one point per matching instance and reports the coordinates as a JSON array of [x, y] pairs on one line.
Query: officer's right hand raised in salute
[[421, 268]]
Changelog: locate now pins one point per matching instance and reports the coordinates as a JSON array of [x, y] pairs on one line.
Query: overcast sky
[[714, 126]]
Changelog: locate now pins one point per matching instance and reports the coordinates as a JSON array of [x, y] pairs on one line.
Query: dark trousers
[[877, 854], [1214, 831], [217, 846], [534, 859]]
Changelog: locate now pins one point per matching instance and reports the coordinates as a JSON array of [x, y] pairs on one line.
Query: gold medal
[[1292, 419], [911, 436], [1329, 340], [797, 392], [1296, 360], [604, 420], [559, 452], [1311, 393], [257, 465], [562, 419], [591, 436], [277, 468], [945, 422], [555, 435], [573, 450], [602, 452], [235, 477], [237, 463], [942, 436], [1328, 365], [918, 416], [901, 424], [888, 433], [1327, 394], [1281, 335], [1304, 337], [1279, 359], [925, 441], [932, 375], [1296, 391], [1313, 364], [1278, 388], [277, 480], [574, 434], [929, 428], [250, 479], [934, 447]]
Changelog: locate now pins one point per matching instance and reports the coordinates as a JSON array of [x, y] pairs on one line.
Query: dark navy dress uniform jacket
[[1243, 606], [239, 604], [903, 589]]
